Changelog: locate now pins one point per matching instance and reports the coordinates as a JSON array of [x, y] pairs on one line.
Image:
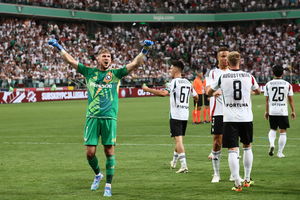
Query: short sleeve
[[120, 73], [255, 86], [215, 85], [266, 91], [85, 71], [209, 79], [291, 92], [193, 92], [168, 87]]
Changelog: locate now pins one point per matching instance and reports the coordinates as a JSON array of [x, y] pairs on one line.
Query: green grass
[[42, 156]]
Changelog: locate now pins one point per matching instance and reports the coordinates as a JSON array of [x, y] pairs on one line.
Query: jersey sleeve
[[215, 85], [291, 92], [254, 83], [168, 87], [266, 91], [84, 70], [193, 92], [120, 73], [209, 79]]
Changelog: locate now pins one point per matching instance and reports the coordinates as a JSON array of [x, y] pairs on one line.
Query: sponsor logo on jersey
[[93, 84], [236, 105]]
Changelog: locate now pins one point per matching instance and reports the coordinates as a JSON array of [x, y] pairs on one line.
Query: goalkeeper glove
[[147, 45], [54, 43]]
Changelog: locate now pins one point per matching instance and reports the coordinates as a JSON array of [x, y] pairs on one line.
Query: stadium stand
[[28, 61], [170, 6]]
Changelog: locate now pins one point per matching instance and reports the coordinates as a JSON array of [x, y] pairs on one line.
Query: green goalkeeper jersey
[[103, 88]]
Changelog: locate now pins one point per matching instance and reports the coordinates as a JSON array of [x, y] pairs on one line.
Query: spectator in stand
[[267, 44], [169, 6]]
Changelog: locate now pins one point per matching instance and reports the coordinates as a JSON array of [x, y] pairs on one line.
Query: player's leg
[[206, 117], [200, 103], [91, 137], [281, 142], [195, 112], [181, 154], [217, 132], [109, 151], [108, 139], [178, 128], [283, 125], [272, 133], [246, 135], [230, 141], [173, 125]]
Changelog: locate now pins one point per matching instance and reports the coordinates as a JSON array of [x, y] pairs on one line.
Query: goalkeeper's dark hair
[[277, 70], [179, 64]]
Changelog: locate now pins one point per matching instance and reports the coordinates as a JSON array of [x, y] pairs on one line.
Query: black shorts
[[217, 125], [206, 100], [177, 127], [200, 100], [279, 121], [234, 130]]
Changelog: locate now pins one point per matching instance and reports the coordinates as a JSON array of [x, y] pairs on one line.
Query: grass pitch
[[42, 156]]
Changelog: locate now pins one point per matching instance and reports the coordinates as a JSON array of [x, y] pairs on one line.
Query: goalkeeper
[[101, 117]]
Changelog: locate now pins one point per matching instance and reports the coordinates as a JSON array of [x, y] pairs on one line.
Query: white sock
[[108, 185], [175, 157], [182, 159], [272, 137], [281, 142], [216, 162], [234, 165], [248, 160]]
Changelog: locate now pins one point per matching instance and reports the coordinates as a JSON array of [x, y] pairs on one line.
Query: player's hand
[[293, 115], [144, 87], [266, 115], [147, 46], [53, 42], [217, 93]]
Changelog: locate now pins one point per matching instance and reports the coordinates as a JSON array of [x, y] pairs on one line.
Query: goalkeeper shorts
[[96, 127]]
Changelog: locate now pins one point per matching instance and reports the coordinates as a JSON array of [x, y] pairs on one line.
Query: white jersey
[[215, 104], [236, 89], [278, 91], [180, 90]]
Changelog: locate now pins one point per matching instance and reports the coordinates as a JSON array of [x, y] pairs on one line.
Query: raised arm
[[138, 60], [161, 93], [67, 57]]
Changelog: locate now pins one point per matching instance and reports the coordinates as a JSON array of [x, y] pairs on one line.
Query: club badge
[[108, 77]]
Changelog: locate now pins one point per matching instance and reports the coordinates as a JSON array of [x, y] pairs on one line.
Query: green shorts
[[94, 127]]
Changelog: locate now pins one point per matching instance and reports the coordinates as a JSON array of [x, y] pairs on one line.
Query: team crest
[[108, 77]]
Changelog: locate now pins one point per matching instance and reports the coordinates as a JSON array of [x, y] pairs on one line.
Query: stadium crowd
[[169, 6], [27, 59]]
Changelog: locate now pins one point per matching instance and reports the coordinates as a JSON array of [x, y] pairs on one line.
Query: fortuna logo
[[108, 77]]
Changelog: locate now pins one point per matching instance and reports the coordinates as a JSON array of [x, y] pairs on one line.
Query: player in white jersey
[[216, 112], [278, 92], [236, 89], [180, 89]]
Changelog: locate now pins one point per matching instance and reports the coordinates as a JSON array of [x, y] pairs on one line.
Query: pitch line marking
[[166, 135], [119, 144]]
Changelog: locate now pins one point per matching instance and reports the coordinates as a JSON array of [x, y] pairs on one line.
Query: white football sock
[[248, 160], [281, 142], [216, 162], [234, 165], [272, 137], [175, 157], [182, 159]]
